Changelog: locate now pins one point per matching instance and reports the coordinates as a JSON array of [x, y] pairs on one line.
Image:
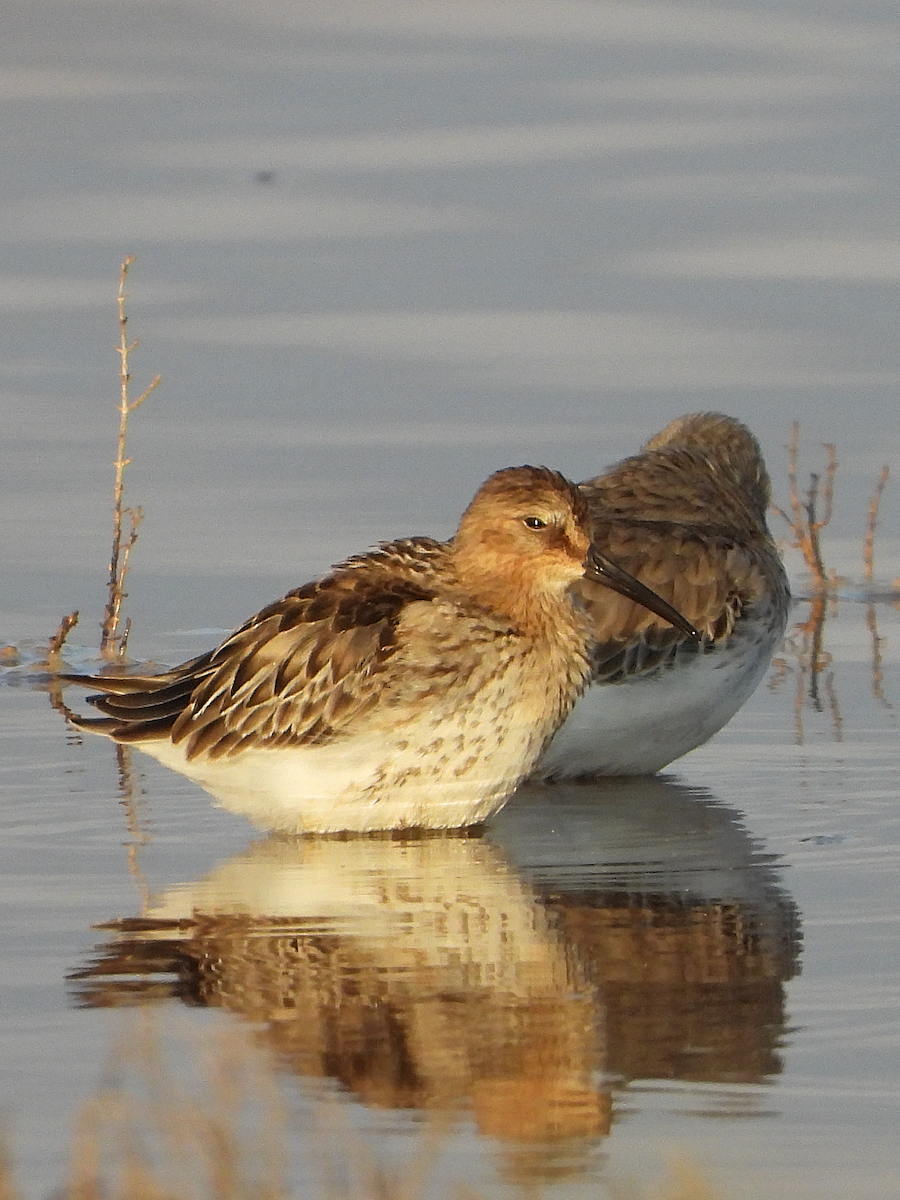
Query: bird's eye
[[534, 523]]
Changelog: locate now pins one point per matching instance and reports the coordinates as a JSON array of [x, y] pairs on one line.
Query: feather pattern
[[687, 517], [300, 672]]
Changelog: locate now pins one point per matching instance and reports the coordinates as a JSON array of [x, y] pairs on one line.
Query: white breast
[[639, 725]]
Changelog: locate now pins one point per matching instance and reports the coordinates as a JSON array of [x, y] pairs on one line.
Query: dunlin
[[415, 686], [687, 516]]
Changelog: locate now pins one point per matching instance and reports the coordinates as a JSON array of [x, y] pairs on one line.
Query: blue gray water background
[[380, 252]]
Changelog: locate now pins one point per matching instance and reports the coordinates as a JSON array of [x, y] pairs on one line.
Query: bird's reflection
[[678, 919], [598, 934]]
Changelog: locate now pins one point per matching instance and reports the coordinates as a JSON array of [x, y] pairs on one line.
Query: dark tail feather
[[124, 731], [123, 685], [135, 707]]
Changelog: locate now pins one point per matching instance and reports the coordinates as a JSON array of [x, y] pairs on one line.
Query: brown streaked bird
[[687, 516], [414, 687]]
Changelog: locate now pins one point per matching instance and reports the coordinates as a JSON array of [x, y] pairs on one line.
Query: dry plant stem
[[54, 649], [871, 525], [793, 454], [112, 642], [57, 642], [805, 522]]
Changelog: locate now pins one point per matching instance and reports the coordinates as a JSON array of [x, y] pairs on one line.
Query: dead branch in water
[[805, 522], [806, 643], [113, 640], [55, 645], [871, 525]]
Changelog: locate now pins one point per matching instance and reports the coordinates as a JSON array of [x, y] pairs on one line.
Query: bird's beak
[[600, 568]]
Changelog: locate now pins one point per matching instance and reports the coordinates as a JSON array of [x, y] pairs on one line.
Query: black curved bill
[[597, 566]]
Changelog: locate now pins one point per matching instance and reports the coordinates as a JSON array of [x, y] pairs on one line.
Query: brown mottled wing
[[708, 579], [298, 673]]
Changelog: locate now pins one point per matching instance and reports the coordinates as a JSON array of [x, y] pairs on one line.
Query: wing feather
[[711, 579], [300, 672]]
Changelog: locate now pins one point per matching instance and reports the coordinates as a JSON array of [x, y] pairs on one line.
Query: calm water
[[380, 253], [706, 960]]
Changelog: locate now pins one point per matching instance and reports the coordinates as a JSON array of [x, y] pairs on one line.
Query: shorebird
[[414, 687], [687, 516]]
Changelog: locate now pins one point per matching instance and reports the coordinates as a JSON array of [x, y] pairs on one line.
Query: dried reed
[[56, 643], [872, 524], [806, 522], [806, 642], [114, 636]]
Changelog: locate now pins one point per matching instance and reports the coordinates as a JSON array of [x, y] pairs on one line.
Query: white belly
[[444, 768], [328, 789], [639, 725]]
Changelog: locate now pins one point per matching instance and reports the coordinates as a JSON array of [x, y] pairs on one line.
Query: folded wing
[[299, 673]]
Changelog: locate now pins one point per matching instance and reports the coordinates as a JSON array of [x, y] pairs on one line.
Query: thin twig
[[871, 524], [54, 649], [112, 642], [56, 643], [805, 522], [810, 537], [828, 490]]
